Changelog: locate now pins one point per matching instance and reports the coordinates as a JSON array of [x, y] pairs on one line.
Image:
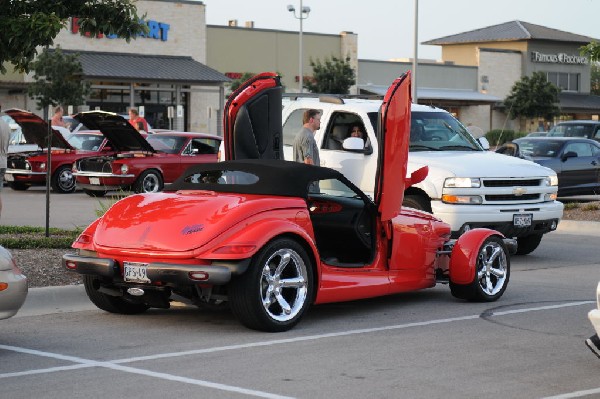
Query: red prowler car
[[29, 168], [249, 231]]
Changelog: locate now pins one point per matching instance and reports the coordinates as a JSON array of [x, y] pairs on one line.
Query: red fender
[[463, 260], [257, 235]]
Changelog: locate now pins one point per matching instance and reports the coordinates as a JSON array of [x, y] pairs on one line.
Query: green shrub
[[498, 137], [571, 205], [28, 237], [592, 206]]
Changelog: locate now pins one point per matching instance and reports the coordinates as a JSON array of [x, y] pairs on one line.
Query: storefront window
[[564, 80]]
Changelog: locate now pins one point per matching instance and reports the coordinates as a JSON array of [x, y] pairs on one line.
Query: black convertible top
[[258, 176]]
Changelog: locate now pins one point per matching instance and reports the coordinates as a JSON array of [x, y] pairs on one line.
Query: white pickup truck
[[467, 185]]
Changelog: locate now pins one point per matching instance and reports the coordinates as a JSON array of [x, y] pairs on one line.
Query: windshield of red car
[[165, 143]]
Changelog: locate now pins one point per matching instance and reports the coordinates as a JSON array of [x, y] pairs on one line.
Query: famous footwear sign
[[560, 58]]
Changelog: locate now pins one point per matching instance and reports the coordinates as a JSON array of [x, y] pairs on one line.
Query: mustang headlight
[[124, 169], [462, 182]]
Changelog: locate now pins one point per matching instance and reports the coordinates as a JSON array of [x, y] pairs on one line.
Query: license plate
[[522, 220], [8, 177], [136, 272], [95, 180]]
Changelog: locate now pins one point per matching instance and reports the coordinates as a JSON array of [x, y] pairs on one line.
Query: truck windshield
[[436, 131]]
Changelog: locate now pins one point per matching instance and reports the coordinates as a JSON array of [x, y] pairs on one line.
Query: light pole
[[415, 55], [303, 14]]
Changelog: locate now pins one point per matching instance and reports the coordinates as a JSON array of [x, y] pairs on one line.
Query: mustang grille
[[16, 162], [94, 165]]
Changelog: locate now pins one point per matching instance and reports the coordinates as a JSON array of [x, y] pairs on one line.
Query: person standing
[[57, 118], [4, 140], [138, 122], [305, 147]]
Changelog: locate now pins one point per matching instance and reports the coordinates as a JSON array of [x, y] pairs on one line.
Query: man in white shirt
[[4, 140]]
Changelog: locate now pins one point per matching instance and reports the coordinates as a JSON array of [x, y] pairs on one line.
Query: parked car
[[143, 165], [467, 185], [589, 129], [593, 342], [249, 231], [537, 134], [26, 169], [576, 161], [17, 142], [13, 285]]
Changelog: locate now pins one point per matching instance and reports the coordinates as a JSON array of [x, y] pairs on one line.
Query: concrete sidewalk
[[579, 228]]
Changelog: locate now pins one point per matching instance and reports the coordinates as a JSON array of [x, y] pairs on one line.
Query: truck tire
[[417, 202], [528, 244]]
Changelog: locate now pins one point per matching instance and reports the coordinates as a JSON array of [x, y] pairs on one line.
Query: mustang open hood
[[252, 120], [35, 129], [120, 133]]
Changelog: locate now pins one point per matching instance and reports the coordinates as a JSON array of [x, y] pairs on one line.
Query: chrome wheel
[[492, 268], [63, 180], [149, 182], [284, 285]]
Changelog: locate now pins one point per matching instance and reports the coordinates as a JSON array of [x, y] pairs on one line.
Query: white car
[[593, 342], [13, 285]]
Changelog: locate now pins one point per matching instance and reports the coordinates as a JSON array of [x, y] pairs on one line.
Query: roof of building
[[511, 31], [463, 96], [575, 102], [143, 67]]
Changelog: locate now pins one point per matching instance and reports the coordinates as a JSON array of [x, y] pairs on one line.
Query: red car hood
[[179, 222], [35, 129]]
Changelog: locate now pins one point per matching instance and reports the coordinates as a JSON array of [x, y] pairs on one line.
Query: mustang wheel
[[149, 182], [95, 193], [112, 304], [491, 275], [63, 181], [18, 186], [273, 294]]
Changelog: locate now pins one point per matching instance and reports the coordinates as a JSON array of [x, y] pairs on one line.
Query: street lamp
[[304, 11]]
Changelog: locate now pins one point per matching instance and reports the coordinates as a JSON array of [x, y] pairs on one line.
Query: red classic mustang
[[142, 164], [259, 234], [25, 169]]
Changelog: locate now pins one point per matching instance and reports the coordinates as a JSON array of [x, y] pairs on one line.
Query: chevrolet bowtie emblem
[[518, 191]]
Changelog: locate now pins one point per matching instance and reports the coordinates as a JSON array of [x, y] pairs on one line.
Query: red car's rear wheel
[[274, 293]]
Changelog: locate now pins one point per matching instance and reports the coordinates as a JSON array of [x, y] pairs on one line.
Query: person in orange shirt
[[57, 119], [137, 121]]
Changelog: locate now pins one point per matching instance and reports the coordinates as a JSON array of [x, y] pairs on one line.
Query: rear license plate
[[136, 272], [94, 180], [522, 219], [9, 177]]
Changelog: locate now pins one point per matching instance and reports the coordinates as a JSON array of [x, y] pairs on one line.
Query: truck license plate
[[9, 177], [522, 219], [95, 180], [136, 272]]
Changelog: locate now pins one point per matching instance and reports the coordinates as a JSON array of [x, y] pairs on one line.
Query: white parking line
[[578, 394], [116, 364]]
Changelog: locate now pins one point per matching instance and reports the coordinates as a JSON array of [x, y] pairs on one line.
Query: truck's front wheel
[[528, 244], [417, 202]]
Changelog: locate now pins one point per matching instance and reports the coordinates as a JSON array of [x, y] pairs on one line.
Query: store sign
[[156, 30], [559, 58]]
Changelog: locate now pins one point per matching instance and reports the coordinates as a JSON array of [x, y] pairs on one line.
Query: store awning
[[579, 103], [124, 67], [454, 97]]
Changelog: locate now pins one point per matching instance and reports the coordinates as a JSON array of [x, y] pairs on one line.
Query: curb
[[579, 228], [59, 299]]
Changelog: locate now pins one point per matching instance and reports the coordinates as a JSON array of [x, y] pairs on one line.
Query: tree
[[28, 24], [595, 79], [334, 76], [533, 97], [591, 50], [235, 83], [57, 79]]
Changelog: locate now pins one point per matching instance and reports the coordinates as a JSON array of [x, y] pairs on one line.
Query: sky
[[385, 28]]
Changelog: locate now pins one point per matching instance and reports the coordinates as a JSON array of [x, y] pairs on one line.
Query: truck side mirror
[[568, 154], [484, 143]]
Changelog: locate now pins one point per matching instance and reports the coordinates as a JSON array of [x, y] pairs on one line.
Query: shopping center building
[[179, 73]]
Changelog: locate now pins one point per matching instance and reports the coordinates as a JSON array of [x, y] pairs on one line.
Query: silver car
[[13, 285]]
